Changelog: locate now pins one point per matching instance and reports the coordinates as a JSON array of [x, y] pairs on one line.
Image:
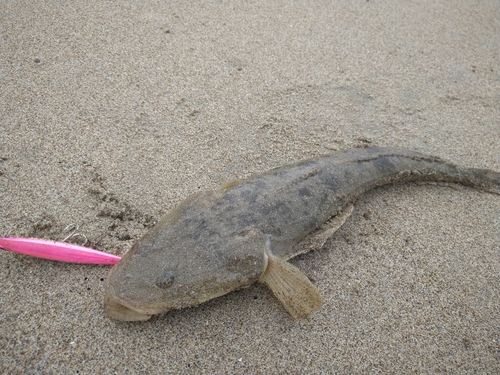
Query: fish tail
[[484, 179]]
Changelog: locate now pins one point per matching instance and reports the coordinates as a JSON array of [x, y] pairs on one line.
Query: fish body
[[219, 241]]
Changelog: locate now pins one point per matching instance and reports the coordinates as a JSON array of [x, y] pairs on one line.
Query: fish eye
[[165, 280]]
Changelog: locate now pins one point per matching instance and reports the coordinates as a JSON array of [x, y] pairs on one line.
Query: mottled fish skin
[[213, 242]]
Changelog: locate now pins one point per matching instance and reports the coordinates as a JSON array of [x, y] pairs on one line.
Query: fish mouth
[[118, 311]]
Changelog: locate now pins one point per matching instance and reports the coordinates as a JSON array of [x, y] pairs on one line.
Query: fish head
[[171, 268]]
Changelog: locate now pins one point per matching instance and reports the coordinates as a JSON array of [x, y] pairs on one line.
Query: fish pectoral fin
[[292, 287], [119, 312]]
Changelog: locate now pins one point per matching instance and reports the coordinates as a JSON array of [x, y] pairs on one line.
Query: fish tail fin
[[484, 179]]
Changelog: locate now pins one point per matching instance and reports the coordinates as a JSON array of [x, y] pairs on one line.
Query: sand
[[113, 112]]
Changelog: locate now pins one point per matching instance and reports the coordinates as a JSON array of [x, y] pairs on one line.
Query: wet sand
[[112, 113]]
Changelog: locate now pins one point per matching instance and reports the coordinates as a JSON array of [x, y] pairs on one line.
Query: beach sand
[[113, 112]]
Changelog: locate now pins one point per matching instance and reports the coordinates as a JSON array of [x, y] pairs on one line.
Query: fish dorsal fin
[[291, 286]]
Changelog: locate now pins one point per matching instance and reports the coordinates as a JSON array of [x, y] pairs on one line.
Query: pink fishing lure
[[59, 251]]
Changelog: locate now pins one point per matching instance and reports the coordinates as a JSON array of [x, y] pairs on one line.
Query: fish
[[215, 242]]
